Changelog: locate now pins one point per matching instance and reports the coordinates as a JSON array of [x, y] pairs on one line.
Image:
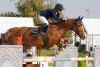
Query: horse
[[55, 32]]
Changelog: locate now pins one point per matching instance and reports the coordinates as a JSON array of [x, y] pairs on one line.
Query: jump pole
[[50, 59]]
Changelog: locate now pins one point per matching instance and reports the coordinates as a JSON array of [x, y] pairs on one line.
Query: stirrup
[[42, 33], [34, 32]]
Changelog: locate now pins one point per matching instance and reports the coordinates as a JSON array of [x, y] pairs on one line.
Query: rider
[[50, 13]]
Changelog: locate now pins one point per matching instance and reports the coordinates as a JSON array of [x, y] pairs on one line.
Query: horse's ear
[[78, 18], [81, 18]]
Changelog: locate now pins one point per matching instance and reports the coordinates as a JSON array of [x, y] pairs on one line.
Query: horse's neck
[[62, 32], [57, 29], [70, 24], [60, 27]]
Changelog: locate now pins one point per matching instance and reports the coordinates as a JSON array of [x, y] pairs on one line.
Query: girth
[[45, 41]]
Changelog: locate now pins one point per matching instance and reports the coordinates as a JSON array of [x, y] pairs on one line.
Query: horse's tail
[[1, 38], [5, 37]]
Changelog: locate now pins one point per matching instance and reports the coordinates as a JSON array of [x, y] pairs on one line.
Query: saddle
[[43, 28]]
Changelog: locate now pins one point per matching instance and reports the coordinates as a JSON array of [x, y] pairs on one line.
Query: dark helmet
[[59, 6]]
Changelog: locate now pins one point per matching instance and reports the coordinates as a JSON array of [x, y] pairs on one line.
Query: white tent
[[92, 25], [93, 29], [9, 22]]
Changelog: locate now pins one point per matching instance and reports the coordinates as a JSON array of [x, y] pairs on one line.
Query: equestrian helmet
[[59, 6]]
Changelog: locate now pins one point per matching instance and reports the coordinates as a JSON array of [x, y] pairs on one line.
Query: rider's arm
[[53, 14]]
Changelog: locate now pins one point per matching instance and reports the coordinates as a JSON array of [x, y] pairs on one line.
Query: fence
[[12, 56]]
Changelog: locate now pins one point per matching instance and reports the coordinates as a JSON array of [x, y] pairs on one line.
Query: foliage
[[81, 53], [82, 63], [68, 35], [30, 8], [82, 48], [27, 8], [9, 14], [47, 52], [77, 44]]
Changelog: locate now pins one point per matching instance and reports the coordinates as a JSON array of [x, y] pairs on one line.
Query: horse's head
[[76, 25]]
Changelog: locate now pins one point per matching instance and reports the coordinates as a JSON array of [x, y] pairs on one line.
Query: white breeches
[[43, 20]]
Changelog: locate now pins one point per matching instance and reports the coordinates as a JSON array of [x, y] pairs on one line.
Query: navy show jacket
[[50, 13]]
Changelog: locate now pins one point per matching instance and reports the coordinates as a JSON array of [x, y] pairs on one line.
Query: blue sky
[[73, 8], [87, 8], [7, 5]]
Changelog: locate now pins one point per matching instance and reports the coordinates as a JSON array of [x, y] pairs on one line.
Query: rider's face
[[59, 11]]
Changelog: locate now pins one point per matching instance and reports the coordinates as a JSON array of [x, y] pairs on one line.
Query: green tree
[[81, 53], [27, 8], [9, 14], [30, 8]]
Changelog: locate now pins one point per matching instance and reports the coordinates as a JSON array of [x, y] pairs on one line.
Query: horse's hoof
[[29, 55]]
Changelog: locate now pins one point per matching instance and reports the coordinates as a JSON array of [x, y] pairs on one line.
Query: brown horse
[[55, 33]]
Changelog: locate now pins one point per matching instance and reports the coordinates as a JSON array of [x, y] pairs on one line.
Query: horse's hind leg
[[38, 51]]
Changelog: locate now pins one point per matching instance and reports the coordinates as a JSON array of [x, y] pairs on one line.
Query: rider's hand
[[63, 20]]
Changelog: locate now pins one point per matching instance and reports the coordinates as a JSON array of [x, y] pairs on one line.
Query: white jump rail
[[50, 59]]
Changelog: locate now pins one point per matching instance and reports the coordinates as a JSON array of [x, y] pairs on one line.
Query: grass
[[46, 52]]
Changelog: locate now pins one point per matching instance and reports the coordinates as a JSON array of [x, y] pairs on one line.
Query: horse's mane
[[57, 23]]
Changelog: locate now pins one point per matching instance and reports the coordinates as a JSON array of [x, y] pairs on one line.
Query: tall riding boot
[[46, 28]]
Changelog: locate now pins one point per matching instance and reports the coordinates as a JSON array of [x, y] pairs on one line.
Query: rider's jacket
[[50, 13]]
